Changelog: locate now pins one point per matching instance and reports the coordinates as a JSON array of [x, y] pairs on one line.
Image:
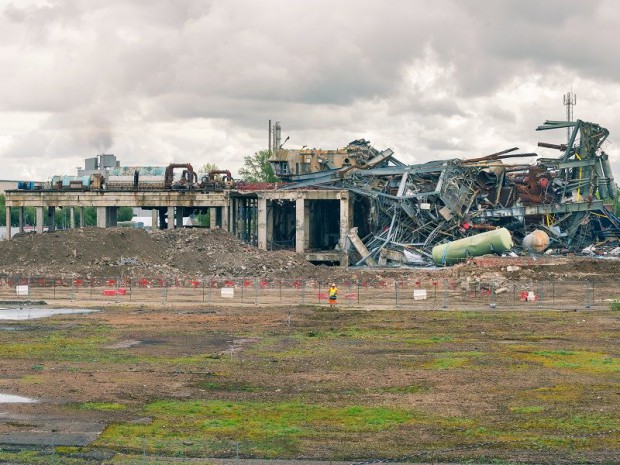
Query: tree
[[208, 167], [124, 214], [256, 168]]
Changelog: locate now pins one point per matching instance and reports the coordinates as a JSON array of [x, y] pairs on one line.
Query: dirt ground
[[376, 379], [521, 387]]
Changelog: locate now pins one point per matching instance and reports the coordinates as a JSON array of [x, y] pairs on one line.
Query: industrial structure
[[359, 205]]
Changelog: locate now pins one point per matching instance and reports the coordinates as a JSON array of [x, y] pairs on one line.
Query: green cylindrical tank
[[498, 241]]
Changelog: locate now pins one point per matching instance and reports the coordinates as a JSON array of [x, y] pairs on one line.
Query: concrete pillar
[[39, 220], [81, 217], [262, 223], [154, 219], [102, 217], [300, 226], [178, 217], [345, 227], [20, 215], [212, 218], [170, 217], [51, 216], [72, 217], [8, 222], [225, 219]]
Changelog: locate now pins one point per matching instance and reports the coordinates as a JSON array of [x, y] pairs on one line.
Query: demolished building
[[403, 211], [361, 206]]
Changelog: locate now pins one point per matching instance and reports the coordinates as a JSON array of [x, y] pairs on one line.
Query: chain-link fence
[[404, 291]]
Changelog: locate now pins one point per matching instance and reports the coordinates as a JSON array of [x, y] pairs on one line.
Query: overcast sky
[[197, 81]]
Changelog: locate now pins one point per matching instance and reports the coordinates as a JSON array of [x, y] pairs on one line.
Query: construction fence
[[404, 291]]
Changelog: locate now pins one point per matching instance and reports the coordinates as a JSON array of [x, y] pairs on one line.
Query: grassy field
[[349, 385]]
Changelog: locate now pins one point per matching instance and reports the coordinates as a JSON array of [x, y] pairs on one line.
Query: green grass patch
[[615, 305], [527, 410], [102, 406], [413, 389], [261, 429], [575, 424], [451, 360], [595, 362], [556, 394]]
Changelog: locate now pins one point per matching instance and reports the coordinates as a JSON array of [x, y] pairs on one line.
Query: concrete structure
[[314, 223]]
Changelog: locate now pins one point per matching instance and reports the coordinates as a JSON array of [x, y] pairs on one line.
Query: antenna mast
[[570, 100]]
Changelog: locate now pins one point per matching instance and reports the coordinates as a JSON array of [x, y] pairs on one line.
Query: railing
[[406, 292]]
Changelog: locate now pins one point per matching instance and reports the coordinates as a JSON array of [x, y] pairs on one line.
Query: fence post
[[587, 304], [303, 291], [492, 302], [445, 294], [243, 280], [396, 291], [256, 290], [541, 293], [54, 280], [358, 291]]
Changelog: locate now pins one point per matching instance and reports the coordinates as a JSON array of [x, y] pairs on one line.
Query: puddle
[[33, 313], [11, 399]]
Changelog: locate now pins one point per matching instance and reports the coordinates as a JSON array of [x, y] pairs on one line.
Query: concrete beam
[[48, 198], [306, 194]]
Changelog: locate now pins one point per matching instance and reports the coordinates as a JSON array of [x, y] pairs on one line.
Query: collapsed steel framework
[[415, 207]]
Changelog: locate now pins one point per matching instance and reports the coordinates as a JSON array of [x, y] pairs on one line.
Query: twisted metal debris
[[411, 208]]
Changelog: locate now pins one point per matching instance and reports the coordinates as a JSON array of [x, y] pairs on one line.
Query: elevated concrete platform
[[313, 222]]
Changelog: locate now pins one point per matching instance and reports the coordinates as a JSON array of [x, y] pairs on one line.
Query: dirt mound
[[115, 251], [202, 252]]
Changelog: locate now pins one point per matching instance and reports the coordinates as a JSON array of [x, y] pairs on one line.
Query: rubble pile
[[115, 251]]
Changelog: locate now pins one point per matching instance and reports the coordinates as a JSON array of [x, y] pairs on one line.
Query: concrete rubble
[[412, 208]]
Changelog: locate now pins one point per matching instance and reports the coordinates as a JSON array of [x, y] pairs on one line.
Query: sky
[[197, 81]]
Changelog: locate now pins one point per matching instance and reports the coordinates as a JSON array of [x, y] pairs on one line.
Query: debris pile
[[115, 251], [412, 208]]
